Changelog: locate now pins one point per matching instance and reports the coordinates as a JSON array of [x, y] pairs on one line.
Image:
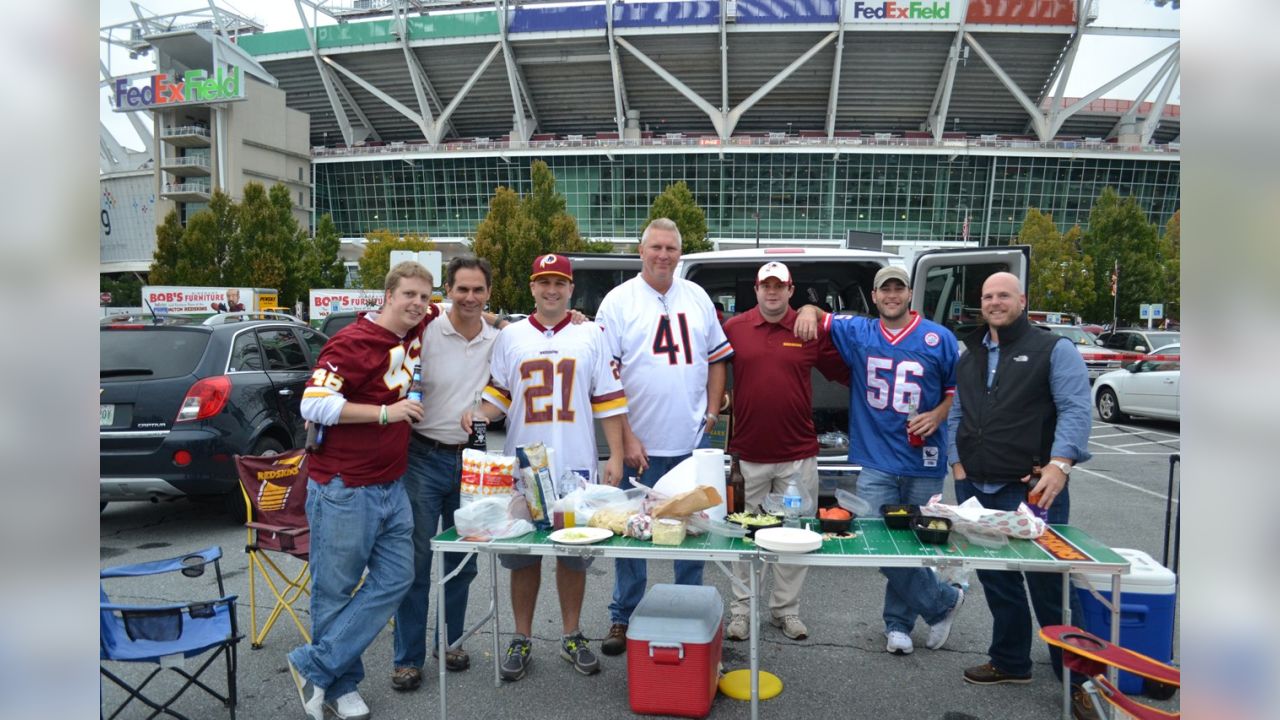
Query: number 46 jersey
[[551, 383], [888, 372]]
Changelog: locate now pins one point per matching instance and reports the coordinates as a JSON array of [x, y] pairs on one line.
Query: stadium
[[930, 123]]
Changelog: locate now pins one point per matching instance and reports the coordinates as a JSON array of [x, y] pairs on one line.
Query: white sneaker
[[312, 697], [899, 643], [349, 707], [739, 627], [939, 633], [791, 626]]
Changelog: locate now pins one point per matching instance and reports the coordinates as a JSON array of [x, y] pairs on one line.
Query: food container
[[674, 641], [900, 520], [931, 536], [774, 521], [668, 531], [835, 526]]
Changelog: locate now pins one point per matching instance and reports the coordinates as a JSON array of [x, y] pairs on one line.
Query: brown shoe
[[616, 643], [455, 660], [988, 674], [405, 679]]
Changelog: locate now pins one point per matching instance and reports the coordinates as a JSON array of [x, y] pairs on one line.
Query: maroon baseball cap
[[552, 264]]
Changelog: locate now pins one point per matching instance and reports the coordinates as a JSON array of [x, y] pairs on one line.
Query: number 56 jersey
[[551, 383]]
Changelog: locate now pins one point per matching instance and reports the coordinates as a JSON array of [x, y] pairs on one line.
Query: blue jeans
[[632, 575], [910, 592], [1010, 649], [433, 484], [353, 529]]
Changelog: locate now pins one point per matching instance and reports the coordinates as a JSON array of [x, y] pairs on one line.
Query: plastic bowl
[[835, 526], [920, 524], [751, 529], [899, 522]]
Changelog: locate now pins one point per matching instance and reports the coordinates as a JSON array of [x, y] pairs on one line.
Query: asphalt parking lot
[[841, 669]]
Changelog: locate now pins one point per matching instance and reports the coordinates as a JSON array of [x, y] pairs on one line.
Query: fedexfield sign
[[904, 11], [194, 87]]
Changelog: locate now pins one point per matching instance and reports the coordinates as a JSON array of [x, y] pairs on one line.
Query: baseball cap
[[552, 264], [891, 273], [775, 270]]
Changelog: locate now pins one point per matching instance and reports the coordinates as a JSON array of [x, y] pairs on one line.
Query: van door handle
[[285, 392]]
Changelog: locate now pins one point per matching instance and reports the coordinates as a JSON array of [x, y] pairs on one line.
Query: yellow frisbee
[[737, 684]]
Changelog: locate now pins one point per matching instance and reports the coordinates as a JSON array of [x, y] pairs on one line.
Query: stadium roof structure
[[431, 74]]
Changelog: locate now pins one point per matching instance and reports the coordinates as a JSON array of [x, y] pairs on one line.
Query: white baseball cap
[[775, 270]]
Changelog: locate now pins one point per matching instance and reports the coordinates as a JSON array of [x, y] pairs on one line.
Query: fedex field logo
[[901, 10], [196, 86]]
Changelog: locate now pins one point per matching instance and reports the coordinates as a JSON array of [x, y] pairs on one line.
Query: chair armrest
[[278, 529], [156, 567], [122, 607]]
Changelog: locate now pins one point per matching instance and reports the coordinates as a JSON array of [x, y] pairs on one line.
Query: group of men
[[652, 369]]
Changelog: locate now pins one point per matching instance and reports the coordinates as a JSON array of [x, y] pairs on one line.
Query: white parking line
[[1099, 437], [1145, 442], [1128, 452], [1138, 430], [1131, 486]]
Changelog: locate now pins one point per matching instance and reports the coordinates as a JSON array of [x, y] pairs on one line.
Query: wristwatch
[[1062, 465]]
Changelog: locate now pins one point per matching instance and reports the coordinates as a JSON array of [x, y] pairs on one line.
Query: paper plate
[[737, 685], [788, 540], [580, 535]]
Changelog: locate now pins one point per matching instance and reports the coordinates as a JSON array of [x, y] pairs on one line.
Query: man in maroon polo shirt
[[773, 434]]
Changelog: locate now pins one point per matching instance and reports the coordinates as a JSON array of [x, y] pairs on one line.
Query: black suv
[[179, 399]]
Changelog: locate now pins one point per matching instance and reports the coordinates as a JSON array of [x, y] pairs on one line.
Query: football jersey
[[366, 364], [665, 343], [552, 383], [887, 373]]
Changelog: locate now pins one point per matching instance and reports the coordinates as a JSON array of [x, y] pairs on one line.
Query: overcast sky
[[1099, 60]]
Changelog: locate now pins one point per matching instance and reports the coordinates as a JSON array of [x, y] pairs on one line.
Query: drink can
[[478, 439]]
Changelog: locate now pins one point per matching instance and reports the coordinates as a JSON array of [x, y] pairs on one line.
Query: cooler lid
[[1145, 575], [677, 614]]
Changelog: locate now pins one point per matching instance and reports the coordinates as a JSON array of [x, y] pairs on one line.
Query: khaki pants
[[760, 479]]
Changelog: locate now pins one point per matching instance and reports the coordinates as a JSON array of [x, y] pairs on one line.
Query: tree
[[125, 289], [557, 230], [164, 262], [508, 239], [1119, 231], [1061, 278], [321, 266], [599, 246], [201, 244], [1170, 256], [677, 204], [375, 263]]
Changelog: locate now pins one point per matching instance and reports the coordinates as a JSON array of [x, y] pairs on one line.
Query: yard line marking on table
[[1131, 486]]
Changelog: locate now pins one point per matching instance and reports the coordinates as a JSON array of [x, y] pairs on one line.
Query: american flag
[[1115, 277], [964, 231]]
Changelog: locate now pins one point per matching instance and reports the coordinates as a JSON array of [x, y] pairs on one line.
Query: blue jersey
[[887, 373]]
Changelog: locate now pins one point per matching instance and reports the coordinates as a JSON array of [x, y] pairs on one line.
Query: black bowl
[[920, 524], [835, 526], [751, 529], [899, 522]]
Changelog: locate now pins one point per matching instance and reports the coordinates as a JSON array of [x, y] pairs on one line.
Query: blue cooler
[[1148, 595]]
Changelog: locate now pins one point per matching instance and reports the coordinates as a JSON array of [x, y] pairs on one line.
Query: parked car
[[336, 321], [945, 282], [179, 399], [1148, 388], [1096, 357], [1138, 340]]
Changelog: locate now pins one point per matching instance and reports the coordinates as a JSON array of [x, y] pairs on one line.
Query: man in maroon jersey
[[357, 507]]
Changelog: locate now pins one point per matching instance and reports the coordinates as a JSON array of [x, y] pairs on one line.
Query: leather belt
[[439, 445]]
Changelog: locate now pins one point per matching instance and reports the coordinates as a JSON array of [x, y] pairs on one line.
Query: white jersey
[[551, 383], [665, 344]]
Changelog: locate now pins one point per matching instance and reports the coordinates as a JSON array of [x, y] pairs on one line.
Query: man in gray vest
[[1021, 404]]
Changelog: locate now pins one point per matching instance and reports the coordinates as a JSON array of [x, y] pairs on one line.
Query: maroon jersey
[[367, 364]]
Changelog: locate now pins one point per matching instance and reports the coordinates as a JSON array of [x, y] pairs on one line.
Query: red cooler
[[673, 650]]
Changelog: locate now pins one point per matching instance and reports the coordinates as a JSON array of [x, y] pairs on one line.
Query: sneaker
[[349, 707], [616, 643], [516, 663], [574, 648], [311, 696], [939, 633], [406, 678], [898, 643], [791, 626], [454, 660], [739, 628], [988, 674]]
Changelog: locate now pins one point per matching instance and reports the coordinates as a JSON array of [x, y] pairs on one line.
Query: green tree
[[556, 229], [677, 204], [1119, 231], [508, 239], [198, 258], [125, 289], [598, 246], [228, 252], [1061, 278], [321, 266], [1171, 262], [164, 262], [375, 263]]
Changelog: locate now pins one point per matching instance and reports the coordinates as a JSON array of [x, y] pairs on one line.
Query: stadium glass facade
[[800, 196]]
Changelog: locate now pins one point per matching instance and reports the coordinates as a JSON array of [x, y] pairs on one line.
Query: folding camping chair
[[167, 635], [1090, 655], [275, 497]]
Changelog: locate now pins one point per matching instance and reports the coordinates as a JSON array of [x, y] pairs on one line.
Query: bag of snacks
[[486, 475], [536, 483], [1020, 523]]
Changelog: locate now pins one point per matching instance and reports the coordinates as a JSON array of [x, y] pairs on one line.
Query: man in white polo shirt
[[670, 352]]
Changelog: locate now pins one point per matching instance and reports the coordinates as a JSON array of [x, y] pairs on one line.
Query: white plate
[[580, 535], [788, 540]]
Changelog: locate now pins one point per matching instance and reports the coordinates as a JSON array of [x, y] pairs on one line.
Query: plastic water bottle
[[792, 501]]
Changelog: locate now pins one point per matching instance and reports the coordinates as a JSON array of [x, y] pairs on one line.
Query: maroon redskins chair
[[1090, 655]]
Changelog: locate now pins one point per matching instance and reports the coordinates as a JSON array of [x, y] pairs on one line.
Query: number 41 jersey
[[887, 372], [551, 383]]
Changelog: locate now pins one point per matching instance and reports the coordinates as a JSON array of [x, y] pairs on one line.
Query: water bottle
[[792, 501], [415, 387]]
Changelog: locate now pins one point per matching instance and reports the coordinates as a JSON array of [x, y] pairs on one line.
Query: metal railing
[[187, 161], [185, 130], [190, 187]]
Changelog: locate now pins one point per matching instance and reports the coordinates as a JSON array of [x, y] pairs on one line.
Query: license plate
[[106, 415]]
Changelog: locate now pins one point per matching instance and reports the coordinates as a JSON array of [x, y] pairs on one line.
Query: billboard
[[1022, 12], [903, 12], [184, 300], [194, 87], [323, 301], [127, 218]]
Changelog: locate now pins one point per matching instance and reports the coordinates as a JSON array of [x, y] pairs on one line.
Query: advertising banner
[[322, 301], [787, 11], [1022, 12], [194, 87], [904, 12], [181, 300], [665, 14]]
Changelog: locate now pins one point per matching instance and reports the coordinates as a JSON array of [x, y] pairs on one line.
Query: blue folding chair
[[168, 635]]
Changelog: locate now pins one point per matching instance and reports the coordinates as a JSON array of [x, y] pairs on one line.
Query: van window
[[953, 294], [832, 285], [590, 285]]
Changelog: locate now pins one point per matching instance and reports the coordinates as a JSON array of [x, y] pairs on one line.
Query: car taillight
[[182, 458], [205, 399]]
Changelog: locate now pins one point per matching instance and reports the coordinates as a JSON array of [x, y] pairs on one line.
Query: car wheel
[[1109, 406]]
